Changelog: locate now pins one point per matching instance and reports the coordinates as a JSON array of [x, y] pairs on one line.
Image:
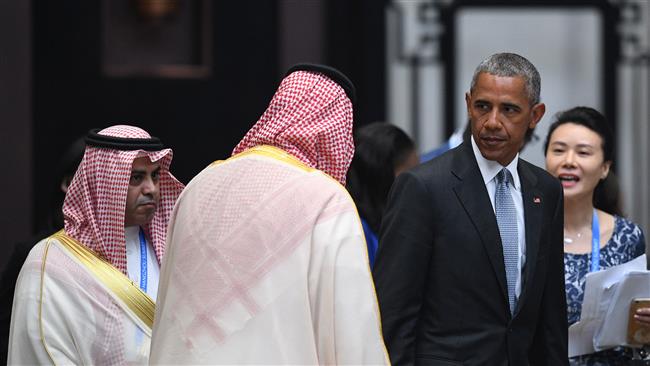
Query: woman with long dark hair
[[579, 151], [382, 151]]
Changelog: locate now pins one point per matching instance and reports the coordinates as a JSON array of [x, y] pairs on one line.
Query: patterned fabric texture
[[229, 237], [627, 242], [94, 206], [310, 117], [265, 254], [506, 214]]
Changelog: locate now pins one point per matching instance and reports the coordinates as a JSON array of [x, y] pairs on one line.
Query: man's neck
[[489, 168], [132, 231]]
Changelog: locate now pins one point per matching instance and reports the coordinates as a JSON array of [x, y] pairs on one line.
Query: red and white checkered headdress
[[310, 117], [95, 203]]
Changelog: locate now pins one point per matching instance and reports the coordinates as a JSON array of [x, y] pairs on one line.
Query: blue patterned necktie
[[507, 221]]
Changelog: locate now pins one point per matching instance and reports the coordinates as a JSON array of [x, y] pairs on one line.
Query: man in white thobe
[[86, 295], [266, 260]]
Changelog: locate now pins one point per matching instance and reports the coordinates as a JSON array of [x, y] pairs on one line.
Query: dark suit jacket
[[440, 276]]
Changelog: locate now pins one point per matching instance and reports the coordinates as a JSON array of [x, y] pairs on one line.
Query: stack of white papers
[[606, 305]]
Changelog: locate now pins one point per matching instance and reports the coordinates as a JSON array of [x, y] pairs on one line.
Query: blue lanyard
[[595, 243], [143, 262]]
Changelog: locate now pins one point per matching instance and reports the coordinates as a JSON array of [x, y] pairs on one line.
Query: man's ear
[[468, 102], [537, 113]]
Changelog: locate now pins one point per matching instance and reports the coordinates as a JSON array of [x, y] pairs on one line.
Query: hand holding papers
[[605, 308]]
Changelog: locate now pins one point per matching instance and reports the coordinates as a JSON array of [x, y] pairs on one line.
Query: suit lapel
[[533, 201], [474, 198]]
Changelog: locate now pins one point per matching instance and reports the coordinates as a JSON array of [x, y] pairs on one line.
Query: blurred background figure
[[66, 168], [17, 252], [382, 151], [461, 133], [579, 152]]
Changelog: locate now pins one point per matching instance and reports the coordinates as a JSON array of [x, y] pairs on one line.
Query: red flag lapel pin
[[537, 200]]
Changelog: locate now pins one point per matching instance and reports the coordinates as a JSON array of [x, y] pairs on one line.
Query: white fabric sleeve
[[25, 344], [345, 309]]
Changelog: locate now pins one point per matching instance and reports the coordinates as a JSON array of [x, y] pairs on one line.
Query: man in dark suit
[[470, 263]]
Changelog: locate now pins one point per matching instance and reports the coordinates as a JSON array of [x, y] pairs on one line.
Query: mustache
[[143, 200]]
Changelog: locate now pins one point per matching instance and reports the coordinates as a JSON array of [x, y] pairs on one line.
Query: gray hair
[[511, 65]]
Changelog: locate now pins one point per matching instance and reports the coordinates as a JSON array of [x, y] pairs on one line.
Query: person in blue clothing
[[382, 151], [579, 152], [454, 140]]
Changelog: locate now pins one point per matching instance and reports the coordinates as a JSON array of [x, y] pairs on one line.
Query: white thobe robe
[[266, 263], [63, 314]]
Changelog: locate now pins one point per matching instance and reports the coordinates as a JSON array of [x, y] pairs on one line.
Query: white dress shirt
[[489, 170], [132, 235]]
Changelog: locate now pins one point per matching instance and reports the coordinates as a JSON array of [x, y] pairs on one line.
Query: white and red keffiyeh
[[95, 203], [310, 117]]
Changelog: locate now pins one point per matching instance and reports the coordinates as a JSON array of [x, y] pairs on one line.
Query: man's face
[[144, 192], [500, 114]]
